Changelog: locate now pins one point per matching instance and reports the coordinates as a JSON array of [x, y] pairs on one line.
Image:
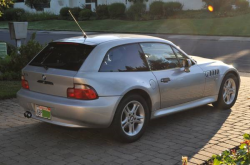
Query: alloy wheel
[[132, 118], [229, 91]]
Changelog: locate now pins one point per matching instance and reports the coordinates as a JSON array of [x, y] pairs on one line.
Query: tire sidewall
[[221, 103], [120, 134]]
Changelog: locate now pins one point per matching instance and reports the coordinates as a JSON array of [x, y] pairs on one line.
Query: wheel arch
[[231, 71], [234, 72], [142, 93], [219, 103]]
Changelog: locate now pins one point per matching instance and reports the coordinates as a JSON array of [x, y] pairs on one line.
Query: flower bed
[[239, 155]]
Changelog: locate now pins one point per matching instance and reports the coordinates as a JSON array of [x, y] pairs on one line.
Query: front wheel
[[131, 118], [228, 92]]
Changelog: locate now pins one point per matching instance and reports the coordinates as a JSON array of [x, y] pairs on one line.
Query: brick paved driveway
[[197, 133]]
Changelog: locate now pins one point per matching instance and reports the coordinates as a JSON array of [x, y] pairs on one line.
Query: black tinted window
[[125, 58], [160, 56], [67, 56]]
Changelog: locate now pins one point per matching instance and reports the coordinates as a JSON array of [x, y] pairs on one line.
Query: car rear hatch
[[52, 71]]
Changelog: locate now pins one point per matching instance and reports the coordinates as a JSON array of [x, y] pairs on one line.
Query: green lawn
[[8, 89], [230, 26]]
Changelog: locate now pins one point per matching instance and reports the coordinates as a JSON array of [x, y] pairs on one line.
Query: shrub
[[136, 11], [146, 17], [37, 17], [76, 11], [85, 14], [64, 12], [11, 66], [13, 14], [102, 12], [242, 4], [29, 50], [170, 8], [156, 8], [11, 75], [116, 10]]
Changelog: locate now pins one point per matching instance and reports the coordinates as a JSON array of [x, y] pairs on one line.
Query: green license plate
[[42, 111]]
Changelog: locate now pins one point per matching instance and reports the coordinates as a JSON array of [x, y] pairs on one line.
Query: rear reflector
[[25, 83], [83, 92]]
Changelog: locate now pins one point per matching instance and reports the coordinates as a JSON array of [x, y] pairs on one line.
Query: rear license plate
[[42, 111]]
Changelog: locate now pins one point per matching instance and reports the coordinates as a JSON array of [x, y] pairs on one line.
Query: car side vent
[[211, 73]]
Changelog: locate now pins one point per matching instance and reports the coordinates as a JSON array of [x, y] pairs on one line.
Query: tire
[[124, 120], [227, 102]]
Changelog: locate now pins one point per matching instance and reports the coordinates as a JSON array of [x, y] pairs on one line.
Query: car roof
[[101, 38]]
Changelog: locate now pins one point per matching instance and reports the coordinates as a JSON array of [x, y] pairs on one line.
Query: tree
[[4, 4]]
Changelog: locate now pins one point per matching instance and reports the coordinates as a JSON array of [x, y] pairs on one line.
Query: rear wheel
[[131, 118], [228, 92]]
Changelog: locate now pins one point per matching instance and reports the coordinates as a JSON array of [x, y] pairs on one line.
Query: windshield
[[67, 56]]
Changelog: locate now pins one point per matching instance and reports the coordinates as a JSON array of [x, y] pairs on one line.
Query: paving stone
[[157, 160], [171, 162], [121, 161]]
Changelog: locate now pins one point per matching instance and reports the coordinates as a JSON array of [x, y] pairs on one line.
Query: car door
[[176, 86]]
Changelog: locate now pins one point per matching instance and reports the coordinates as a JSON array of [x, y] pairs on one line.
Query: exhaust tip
[[27, 114]]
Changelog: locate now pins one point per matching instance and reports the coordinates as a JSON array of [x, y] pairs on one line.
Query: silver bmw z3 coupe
[[122, 81]]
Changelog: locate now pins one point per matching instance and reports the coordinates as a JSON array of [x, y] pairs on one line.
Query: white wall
[[56, 5], [189, 4]]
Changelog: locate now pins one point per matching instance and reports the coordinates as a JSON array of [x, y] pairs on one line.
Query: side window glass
[[160, 56], [180, 56], [125, 58]]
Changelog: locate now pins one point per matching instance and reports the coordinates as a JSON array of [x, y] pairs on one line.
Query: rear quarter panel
[[119, 83]]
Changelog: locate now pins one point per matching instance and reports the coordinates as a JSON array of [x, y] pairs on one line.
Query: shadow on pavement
[[165, 141]]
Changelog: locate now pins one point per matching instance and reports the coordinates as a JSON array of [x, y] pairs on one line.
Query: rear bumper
[[70, 112]]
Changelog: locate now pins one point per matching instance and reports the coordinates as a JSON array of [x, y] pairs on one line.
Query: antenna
[[84, 34]]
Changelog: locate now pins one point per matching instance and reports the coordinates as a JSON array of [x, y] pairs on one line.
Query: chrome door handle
[[165, 80]]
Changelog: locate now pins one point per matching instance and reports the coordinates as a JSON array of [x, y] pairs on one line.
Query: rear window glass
[[67, 56]]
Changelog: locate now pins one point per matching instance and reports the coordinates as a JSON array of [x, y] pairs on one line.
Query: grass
[[8, 89], [230, 26]]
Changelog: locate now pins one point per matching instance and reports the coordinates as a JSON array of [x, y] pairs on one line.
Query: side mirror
[[187, 63]]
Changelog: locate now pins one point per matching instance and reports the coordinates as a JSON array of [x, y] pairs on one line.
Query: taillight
[[25, 83], [83, 92]]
